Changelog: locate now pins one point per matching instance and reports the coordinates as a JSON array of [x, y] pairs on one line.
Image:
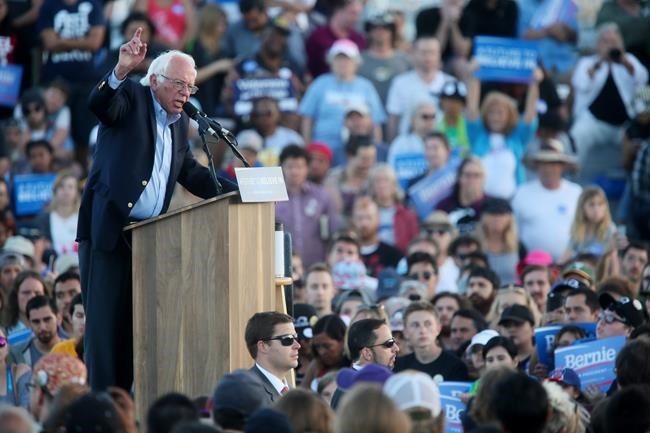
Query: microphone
[[205, 123]]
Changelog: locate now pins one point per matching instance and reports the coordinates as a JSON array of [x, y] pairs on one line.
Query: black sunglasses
[[285, 340], [426, 275], [386, 344]]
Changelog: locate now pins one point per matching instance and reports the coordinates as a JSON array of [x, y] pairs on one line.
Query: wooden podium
[[199, 273]]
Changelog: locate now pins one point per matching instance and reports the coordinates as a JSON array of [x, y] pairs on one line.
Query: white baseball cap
[[414, 390]]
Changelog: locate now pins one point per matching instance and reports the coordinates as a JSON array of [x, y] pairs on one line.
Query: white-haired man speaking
[[142, 151]]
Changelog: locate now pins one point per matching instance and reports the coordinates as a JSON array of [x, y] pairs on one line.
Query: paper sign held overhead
[[261, 184]]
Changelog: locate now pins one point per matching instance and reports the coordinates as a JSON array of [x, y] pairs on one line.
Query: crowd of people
[[440, 222]]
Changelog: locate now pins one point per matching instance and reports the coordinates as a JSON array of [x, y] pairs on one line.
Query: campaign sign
[[32, 192], [453, 408], [10, 78], [505, 59], [454, 389], [248, 89], [408, 166], [428, 192], [545, 338], [593, 361]]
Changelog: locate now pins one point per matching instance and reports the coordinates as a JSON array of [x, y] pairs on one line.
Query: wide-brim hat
[[552, 150]]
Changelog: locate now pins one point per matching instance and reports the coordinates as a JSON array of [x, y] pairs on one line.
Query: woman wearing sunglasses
[[13, 377]]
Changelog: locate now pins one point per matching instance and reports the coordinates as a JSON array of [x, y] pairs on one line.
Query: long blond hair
[[497, 306], [580, 225], [510, 236]]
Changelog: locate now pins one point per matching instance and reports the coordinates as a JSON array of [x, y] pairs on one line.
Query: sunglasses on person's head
[[438, 231], [370, 307], [414, 297], [609, 317], [285, 340], [3, 341], [426, 275], [37, 108], [386, 344]]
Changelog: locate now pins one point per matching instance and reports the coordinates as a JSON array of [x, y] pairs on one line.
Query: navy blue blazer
[[123, 162]]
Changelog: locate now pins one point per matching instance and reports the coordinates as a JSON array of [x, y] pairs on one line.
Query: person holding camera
[[604, 86]]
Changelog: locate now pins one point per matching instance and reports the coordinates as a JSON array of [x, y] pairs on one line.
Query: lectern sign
[[261, 184]]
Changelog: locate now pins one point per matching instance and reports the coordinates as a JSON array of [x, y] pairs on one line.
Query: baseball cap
[[566, 285], [19, 245], [249, 139], [304, 317], [482, 338], [372, 373], [567, 376], [239, 391], [54, 370], [454, 90], [345, 47], [581, 269], [497, 206], [535, 257], [436, 219], [322, 148], [385, 19], [357, 107], [630, 310], [517, 313], [414, 390]]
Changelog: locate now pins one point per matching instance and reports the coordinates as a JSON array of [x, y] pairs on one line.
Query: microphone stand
[[208, 153], [232, 143]]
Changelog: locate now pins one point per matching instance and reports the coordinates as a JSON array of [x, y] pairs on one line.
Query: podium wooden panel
[[199, 273]]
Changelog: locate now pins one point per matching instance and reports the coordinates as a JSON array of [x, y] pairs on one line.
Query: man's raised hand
[[131, 54]]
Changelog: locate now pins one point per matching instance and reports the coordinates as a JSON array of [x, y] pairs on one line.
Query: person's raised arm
[[131, 54], [530, 111], [473, 91]]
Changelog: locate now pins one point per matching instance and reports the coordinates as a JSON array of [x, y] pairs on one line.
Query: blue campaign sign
[[545, 338], [593, 361], [454, 389], [428, 192], [409, 165], [31, 192], [453, 408], [10, 78], [505, 59]]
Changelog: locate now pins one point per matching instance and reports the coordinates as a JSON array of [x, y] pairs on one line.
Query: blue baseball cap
[[371, 373], [567, 376]]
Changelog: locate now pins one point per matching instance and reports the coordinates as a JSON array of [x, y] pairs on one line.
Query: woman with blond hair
[[512, 295], [398, 225], [307, 412], [366, 409], [59, 223], [592, 231], [499, 136], [497, 232]]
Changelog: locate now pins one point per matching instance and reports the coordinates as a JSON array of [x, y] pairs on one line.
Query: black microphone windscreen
[[190, 109]]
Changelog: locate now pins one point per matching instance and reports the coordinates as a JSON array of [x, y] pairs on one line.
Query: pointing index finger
[[137, 33]]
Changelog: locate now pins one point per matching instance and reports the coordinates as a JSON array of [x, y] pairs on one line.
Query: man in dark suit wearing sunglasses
[[272, 342], [370, 341]]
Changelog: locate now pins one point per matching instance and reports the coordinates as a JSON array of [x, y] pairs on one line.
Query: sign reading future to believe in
[[593, 361], [504, 59]]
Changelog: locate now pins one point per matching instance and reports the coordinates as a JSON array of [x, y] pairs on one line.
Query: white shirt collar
[[277, 383]]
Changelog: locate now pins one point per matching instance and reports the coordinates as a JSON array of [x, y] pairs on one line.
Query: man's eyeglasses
[[609, 317], [181, 85], [3, 341], [386, 344], [426, 275], [285, 340]]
